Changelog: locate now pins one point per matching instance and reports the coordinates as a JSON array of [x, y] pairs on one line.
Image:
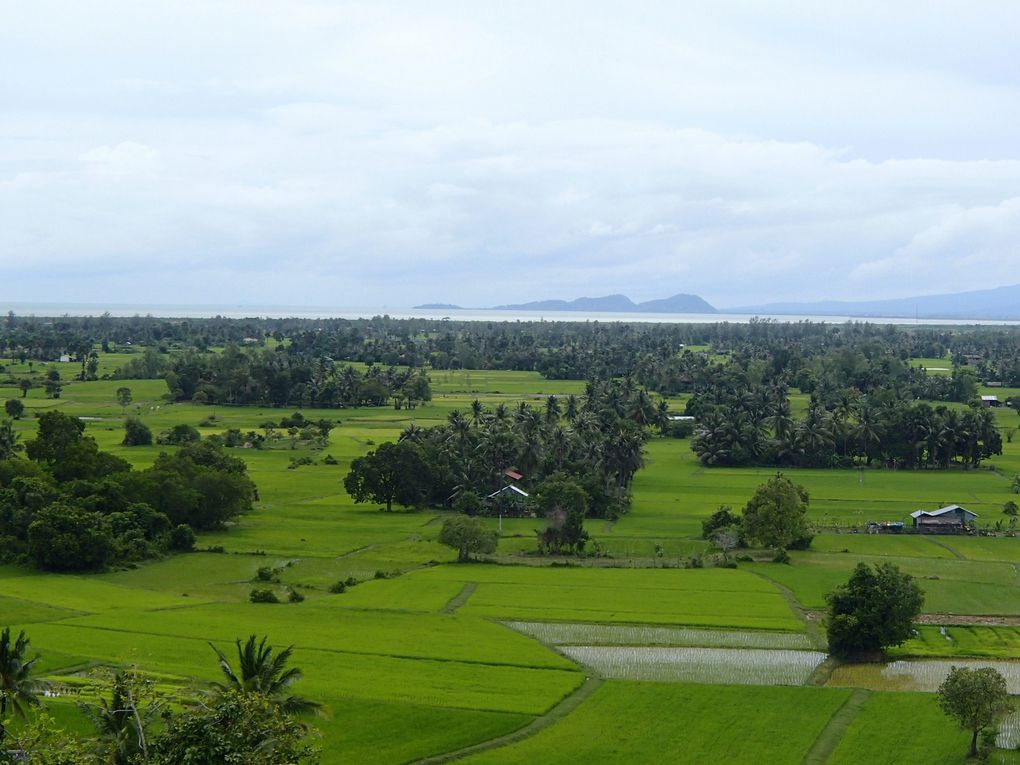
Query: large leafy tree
[[976, 698], [390, 473], [874, 610], [776, 516], [467, 535], [261, 670], [18, 689]]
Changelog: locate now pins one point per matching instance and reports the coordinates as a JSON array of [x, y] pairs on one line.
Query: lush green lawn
[[895, 728], [654, 723]]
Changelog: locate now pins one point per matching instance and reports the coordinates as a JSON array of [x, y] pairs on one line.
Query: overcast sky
[[392, 153]]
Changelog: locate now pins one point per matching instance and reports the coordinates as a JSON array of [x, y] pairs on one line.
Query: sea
[[181, 311]]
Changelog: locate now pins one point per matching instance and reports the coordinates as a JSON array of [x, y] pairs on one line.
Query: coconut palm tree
[[261, 671], [18, 689]]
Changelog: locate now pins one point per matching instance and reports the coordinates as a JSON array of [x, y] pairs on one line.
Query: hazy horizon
[[320, 153]]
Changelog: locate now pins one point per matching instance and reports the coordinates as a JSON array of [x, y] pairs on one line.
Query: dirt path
[[950, 620], [812, 619], [460, 598], [832, 733], [553, 716]]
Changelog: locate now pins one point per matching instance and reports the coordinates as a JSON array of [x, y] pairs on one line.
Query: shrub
[[267, 574], [179, 435], [338, 588], [182, 538], [260, 595], [294, 596]]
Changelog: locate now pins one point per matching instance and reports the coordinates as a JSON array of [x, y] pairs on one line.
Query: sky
[[392, 153]]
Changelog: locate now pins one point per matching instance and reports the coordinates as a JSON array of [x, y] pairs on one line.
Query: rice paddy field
[[631, 658]]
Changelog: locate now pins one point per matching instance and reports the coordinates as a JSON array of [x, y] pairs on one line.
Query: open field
[[650, 722], [421, 648]]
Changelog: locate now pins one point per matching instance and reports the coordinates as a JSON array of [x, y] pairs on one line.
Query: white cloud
[[401, 152]]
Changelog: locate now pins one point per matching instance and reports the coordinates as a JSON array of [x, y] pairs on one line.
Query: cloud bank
[[389, 154]]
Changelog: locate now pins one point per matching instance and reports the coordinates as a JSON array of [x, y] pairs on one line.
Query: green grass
[[653, 723], [896, 728], [993, 642], [705, 597]]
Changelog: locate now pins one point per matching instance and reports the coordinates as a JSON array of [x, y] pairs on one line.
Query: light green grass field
[[654, 723]]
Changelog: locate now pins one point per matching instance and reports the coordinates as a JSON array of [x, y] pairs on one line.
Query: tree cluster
[[775, 517], [741, 422], [73, 507], [596, 440]]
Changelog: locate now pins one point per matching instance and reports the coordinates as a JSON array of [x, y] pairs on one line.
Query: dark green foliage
[[61, 446], [975, 698], [9, 445], [18, 689], [723, 518], [563, 504], [262, 595], [776, 516], [200, 485], [236, 727], [123, 396], [467, 535], [874, 610], [391, 473], [267, 574], [182, 538], [65, 538], [263, 671], [136, 433], [293, 596], [14, 408], [468, 503], [97, 519], [179, 435], [338, 588]]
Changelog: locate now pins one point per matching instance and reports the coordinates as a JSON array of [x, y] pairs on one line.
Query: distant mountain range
[[617, 304], [998, 303]]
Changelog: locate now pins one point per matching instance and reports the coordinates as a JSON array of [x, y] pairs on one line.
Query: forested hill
[[680, 303], [998, 303]]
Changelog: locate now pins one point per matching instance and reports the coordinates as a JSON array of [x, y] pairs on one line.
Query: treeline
[[285, 377], [595, 441], [72, 507], [747, 421]]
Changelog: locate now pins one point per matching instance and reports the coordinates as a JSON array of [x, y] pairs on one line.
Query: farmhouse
[[991, 401], [951, 519], [510, 500]]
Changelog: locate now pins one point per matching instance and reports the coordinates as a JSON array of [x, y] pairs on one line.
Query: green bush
[[263, 595]]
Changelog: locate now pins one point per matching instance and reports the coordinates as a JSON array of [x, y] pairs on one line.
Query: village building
[[991, 401], [951, 519]]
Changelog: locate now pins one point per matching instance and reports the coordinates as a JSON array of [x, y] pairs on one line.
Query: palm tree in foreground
[[17, 687], [262, 671]]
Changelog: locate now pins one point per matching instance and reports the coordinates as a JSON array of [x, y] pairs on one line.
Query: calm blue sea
[[466, 314]]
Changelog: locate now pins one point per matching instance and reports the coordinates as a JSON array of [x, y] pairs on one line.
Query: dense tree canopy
[[776, 515], [874, 610], [72, 507]]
